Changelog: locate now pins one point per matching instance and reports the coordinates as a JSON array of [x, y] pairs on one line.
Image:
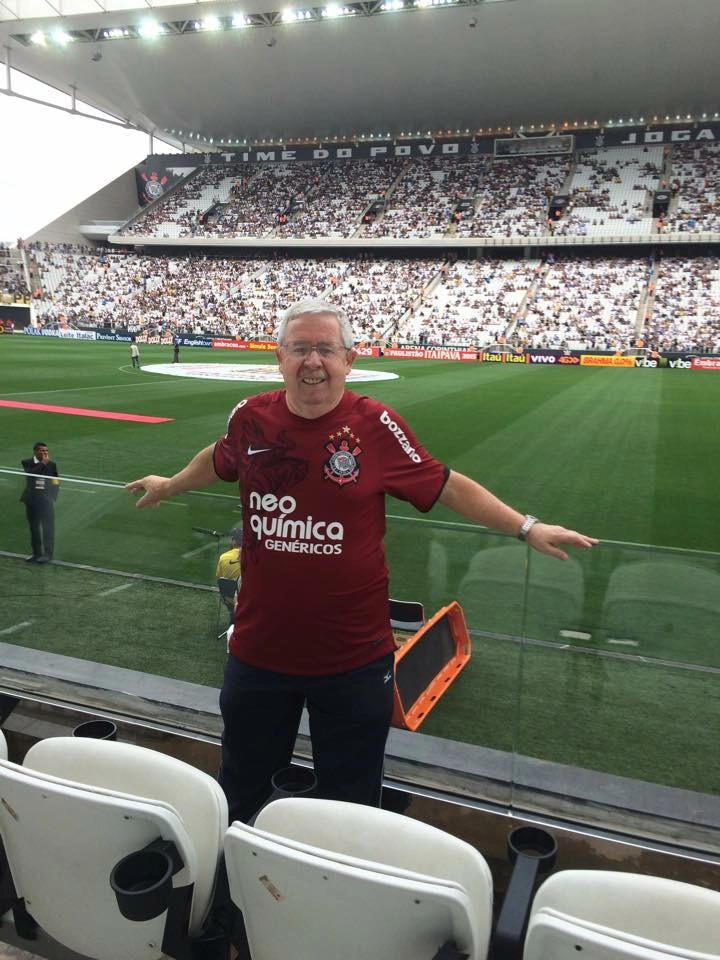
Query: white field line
[[123, 586], [120, 486], [15, 628], [109, 386], [202, 549], [575, 635]]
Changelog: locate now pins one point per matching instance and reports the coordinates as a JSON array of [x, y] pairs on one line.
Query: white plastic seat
[[322, 878], [407, 615], [674, 600], [77, 807], [499, 594], [605, 915]]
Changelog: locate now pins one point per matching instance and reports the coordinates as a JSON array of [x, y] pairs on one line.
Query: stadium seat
[[86, 805], [665, 601], [500, 592], [228, 587], [605, 915], [376, 883], [408, 615]]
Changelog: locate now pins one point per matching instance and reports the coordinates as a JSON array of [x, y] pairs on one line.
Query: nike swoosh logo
[[251, 452]]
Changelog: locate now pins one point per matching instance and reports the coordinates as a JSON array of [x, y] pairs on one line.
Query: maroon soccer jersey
[[314, 597]]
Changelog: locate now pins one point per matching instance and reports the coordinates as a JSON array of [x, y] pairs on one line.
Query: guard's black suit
[[39, 497]]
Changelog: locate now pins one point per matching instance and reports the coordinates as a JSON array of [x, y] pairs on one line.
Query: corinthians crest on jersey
[[344, 448]]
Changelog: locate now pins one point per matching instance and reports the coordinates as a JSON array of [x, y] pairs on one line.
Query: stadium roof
[[374, 68]]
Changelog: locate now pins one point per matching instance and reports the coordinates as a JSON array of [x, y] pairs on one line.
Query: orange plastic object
[[427, 664]]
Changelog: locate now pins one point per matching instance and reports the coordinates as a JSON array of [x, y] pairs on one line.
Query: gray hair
[[317, 306]]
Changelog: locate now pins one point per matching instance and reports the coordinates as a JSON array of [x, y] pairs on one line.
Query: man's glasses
[[326, 351]]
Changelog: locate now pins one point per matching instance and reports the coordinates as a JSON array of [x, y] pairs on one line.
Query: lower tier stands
[[574, 302]]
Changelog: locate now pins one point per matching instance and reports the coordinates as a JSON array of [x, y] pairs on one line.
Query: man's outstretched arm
[[199, 473], [473, 501]]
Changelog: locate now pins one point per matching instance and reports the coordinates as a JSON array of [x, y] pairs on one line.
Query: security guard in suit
[[39, 496]]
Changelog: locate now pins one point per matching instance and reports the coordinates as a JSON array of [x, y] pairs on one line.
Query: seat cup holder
[[533, 843], [532, 852], [289, 782], [96, 730], [293, 782], [142, 884]]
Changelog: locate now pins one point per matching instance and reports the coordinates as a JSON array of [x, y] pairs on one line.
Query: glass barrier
[[623, 679], [127, 588], [596, 678]]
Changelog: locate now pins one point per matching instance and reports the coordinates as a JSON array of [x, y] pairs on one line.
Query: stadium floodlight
[[149, 29], [333, 10], [390, 5], [240, 20], [60, 37], [39, 39], [291, 16], [211, 23]]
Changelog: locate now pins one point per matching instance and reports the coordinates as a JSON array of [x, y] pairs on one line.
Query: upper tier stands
[[610, 189], [513, 198], [695, 181], [611, 192], [424, 198], [336, 205]]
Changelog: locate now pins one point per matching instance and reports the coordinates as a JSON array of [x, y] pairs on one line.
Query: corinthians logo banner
[[153, 181]]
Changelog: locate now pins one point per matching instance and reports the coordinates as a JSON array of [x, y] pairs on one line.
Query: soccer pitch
[[625, 455]]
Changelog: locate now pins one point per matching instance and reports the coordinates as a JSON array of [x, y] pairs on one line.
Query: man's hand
[[199, 473], [545, 538], [156, 489]]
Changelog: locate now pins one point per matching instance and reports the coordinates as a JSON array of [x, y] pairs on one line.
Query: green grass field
[[621, 671]]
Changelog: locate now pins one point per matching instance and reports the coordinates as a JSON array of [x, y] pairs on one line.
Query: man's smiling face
[[314, 363]]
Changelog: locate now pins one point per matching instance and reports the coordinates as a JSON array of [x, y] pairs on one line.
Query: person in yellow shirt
[[228, 571]]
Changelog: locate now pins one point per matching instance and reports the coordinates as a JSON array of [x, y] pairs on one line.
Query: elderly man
[[314, 462]]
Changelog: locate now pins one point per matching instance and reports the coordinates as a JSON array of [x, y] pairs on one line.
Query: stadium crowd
[[696, 185], [685, 312], [556, 301], [610, 193], [13, 285]]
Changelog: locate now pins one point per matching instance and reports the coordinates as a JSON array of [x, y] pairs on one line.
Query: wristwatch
[[527, 525]]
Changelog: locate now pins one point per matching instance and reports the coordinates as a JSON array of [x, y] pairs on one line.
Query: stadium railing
[[591, 692]]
